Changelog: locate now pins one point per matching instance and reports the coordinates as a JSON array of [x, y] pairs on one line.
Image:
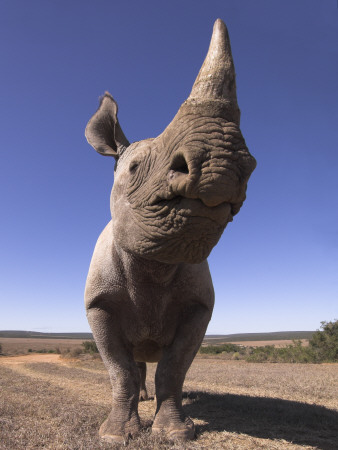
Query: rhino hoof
[[114, 439], [185, 432], [113, 432]]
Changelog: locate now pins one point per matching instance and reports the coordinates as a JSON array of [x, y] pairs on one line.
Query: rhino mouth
[[195, 208], [179, 229]]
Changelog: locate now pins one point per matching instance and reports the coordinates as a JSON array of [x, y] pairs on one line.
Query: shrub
[[261, 354], [293, 353], [75, 352], [324, 344], [222, 348], [323, 347], [0, 349], [90, 347]]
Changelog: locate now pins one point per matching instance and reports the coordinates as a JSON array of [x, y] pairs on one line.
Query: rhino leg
[[170, 374], [123, 419], [142, 367]]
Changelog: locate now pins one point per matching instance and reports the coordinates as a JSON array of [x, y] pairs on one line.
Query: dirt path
[[34, 358]]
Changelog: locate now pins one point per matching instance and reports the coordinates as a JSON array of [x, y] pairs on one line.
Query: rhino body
[[149, 294]]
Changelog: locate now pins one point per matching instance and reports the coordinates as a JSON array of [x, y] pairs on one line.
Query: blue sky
[[276, 266]]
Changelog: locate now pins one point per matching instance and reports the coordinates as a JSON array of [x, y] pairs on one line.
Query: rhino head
[[173, 195]]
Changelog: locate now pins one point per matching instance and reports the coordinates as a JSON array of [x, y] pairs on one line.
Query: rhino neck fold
[[142, 270]]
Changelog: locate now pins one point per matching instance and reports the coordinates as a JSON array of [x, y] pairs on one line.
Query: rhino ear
[[103, 131]]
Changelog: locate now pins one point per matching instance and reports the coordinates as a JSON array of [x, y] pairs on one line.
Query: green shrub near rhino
[[90, 347], [323, 347]]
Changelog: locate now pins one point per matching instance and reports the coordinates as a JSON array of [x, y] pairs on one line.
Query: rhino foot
[[182, 430], [115, 431], [143, 395]]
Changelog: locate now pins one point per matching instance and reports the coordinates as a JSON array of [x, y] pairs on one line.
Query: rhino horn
[[216, 79]]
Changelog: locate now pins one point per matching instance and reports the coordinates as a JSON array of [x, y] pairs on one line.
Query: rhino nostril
[[179, 164]]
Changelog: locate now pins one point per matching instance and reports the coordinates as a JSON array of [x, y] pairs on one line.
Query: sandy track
[[34, 358]]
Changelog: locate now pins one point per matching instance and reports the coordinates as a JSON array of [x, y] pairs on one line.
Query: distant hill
[[38, 335], [209, 338], [274, 336]]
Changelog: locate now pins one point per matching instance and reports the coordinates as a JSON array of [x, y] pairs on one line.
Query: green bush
[[323, 347], [0, 349], [324, 344], [75, 352], [43, 350], [261, 354], [222, 348], [293, 353], [90, 347]]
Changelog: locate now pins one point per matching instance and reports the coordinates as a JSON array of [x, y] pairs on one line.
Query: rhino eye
[[133, 166]]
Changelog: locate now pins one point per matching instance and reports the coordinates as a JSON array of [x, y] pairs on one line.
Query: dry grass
[[235, 405]]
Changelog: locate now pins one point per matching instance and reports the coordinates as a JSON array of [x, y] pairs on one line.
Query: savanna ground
[[47, 401]]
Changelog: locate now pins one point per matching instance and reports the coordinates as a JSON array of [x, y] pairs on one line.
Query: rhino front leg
[[142, 367], [123, 419], [171, 371]]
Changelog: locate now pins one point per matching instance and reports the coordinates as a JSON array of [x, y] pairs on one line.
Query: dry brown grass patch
[[235, 405]]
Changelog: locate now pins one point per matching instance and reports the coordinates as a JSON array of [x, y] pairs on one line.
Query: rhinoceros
[[149, 294]]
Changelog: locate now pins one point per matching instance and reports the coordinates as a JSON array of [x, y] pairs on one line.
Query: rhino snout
[[183, 174], [189, 178]]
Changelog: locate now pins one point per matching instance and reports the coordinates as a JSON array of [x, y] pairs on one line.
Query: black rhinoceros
[[149, 294]]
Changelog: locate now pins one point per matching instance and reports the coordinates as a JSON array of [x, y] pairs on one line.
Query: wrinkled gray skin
[[149, 294]]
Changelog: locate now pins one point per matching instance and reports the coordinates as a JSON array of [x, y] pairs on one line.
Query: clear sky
[[276, 266]]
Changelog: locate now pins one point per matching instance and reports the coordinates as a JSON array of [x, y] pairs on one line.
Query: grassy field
[[55, 403]]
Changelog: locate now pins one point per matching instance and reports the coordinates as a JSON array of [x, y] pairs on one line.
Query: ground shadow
[[267, 418]]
